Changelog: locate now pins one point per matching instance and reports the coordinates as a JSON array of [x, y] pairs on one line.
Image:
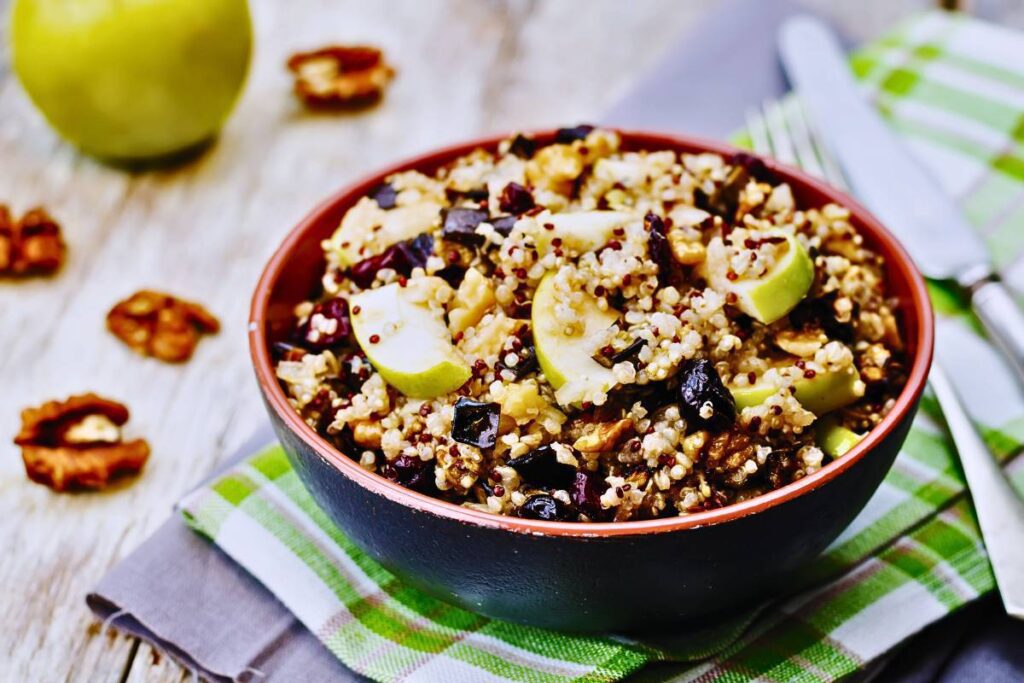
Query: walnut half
[[160, 325], [77, 443], [30, 246], [340, 76]]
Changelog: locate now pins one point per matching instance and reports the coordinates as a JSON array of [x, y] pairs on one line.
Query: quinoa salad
[[578, 332]]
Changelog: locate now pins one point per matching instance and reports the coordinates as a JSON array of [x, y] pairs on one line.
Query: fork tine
[[758, 132], [801, 138], [830, 167], [782, 145]]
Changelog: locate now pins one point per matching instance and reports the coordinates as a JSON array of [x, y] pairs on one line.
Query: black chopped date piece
[[724, 201], [820, 312], [411, 472], [700, 385], [540, 467], [460, 226], [475, 423], [526, 364], [609, 357], [585, 492], [523, 147], [503, 225], [385, 195], [401, 258], [658, 248], [544, 507], [565, 136]]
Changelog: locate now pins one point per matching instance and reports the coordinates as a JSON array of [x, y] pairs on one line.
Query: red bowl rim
[[895, 253]]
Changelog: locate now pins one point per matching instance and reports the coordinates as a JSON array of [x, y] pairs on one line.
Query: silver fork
[[783, 130]]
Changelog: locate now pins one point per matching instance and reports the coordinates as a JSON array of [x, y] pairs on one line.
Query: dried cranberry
[[411, 472], [401, 258], [515, 199], [328, 325], [503, 224], [526, 364], [544, 507], [476, 423], [385, 195], [522, 146], [565, 136], [585, 492], [540, 467], [701, 384], [460, 225]]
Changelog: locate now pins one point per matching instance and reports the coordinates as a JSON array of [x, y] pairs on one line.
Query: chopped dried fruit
[[564, 136], [460, 225], [544, 507], [541, 467], [515, 199], [411, 472], [401, 258], [30, 246], [340, 76], [328, 325], [705, 402], [77, 443], [585, 492], [503, 224], [526, 362], [658, 247], [476, 423], [160, 325], [522, 146], [385, 195]]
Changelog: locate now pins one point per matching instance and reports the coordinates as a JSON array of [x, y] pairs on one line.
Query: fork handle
[[1002, 318], [999, 509]]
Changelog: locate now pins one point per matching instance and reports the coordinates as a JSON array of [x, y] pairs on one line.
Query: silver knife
[[884, 176], [814, 61]]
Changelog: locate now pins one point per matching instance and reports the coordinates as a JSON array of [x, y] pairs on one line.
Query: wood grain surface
[[204, 229]]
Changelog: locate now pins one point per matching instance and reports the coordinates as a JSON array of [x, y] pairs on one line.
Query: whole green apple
[[132, 79]]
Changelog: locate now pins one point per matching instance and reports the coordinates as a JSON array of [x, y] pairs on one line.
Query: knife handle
[[1002, 318]]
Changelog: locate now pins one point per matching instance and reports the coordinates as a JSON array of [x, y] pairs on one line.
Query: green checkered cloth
[[955, 89]]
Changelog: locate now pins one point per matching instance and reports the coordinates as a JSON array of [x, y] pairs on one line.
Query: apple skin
[[824, 393], [131, 80]]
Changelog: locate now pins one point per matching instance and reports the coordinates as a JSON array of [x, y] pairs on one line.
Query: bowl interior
[[293, 275]]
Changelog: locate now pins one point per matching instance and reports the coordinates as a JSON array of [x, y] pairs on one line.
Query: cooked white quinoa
[[631, 447]]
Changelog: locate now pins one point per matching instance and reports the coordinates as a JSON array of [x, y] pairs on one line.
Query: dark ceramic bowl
[[585, 577]]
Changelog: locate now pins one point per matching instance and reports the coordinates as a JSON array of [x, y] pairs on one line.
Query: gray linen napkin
[[185, 597]]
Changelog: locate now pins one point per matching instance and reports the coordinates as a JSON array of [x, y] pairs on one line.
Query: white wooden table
[[204, 230]]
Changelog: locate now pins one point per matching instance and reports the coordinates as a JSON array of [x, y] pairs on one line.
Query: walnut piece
[[340, 76], [30, 246], [160, 325], [605, 436], [726, 457], [77, 443]]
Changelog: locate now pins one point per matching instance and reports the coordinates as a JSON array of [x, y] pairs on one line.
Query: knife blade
[[891, 183]]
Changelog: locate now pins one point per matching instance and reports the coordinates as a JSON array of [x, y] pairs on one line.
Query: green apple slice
[[567, 361], [773, 295], [823, 393], [407, 343], [581, 232], [356, 239], [834, 439]]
